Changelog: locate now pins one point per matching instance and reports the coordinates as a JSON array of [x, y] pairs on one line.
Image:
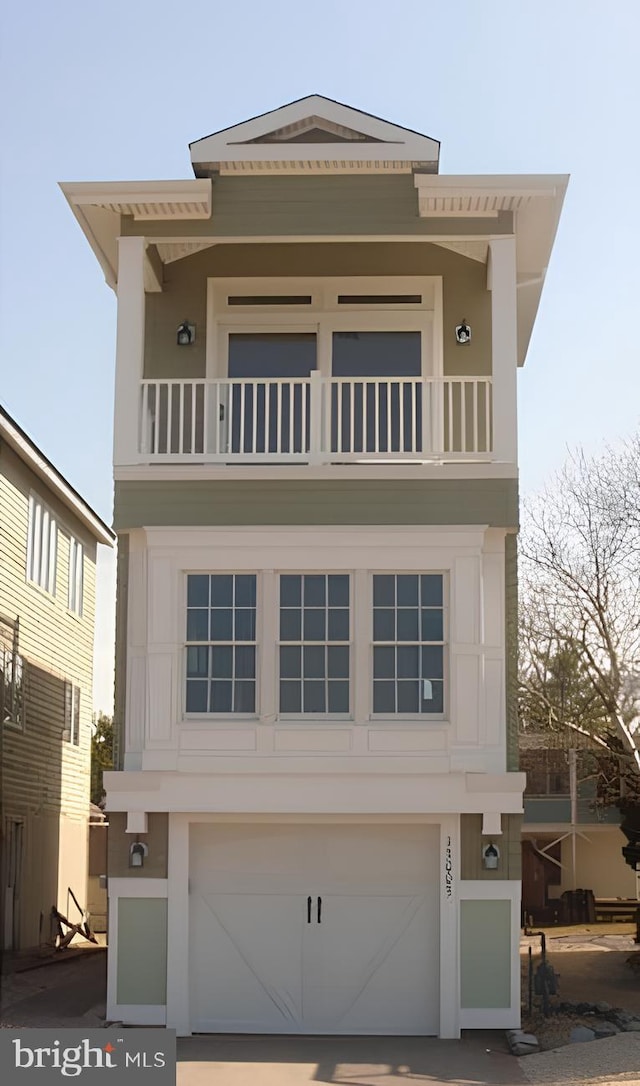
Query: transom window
[[314, 643], [221, 643], [408, 643], [42, 546]]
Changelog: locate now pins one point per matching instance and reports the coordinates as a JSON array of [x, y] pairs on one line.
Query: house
[[570, 840], [48, 542], [315, 820]]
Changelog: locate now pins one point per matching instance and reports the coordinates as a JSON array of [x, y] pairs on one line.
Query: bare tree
[[580, 587]]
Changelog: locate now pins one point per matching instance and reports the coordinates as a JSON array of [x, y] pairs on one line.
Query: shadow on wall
[[37, 857]]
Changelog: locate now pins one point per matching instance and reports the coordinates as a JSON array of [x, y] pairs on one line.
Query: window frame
[[301, 716], [377, 718], [230, 715], [75, 588], [71, 729], [325, 314], [36, 510], [11, 657]]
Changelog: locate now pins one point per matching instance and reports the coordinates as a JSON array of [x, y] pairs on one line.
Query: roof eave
[[31, 455]]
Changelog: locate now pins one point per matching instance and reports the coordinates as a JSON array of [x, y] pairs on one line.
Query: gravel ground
[[610, 1062]]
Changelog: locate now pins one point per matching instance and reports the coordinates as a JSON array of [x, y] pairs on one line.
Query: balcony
[[316, 420]]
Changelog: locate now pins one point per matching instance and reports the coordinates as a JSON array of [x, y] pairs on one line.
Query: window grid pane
[[408, 644], [42, 546], [221, 643], [314, 643]]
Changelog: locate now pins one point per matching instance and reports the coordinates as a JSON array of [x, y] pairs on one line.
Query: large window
[[42, 546], [408, 643], [314, 643], [221, 643], [76, 575]]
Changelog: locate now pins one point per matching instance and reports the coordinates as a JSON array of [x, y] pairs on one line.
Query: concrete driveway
[[479, 1058]]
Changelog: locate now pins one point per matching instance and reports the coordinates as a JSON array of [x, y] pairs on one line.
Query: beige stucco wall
[[599, 864], [184, 294]]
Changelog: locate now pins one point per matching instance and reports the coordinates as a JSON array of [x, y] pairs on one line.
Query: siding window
[[314, 643], [221, 643], [408, 644], [42, 546], [12, 690], [76, 575], [71, 733]]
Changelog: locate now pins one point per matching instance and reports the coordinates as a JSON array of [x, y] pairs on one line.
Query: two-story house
[[315, 822], [48, 541]]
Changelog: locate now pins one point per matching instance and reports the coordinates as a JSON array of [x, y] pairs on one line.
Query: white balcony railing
[[316, 419]]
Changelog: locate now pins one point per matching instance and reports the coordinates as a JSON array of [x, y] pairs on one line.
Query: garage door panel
[[369, 966], [246, 962]]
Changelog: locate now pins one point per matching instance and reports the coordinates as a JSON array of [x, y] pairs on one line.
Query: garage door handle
[[308, 910], [319, 910]]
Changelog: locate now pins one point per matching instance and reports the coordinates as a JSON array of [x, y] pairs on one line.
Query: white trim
[[130, 335], [35, 460], [497, 890], [449, 927], [417, 469], [138, 887], [137, 1014], [155, 200], [178, 1013]]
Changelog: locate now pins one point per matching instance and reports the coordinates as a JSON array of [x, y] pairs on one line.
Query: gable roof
[[41, 466], [313, 133]]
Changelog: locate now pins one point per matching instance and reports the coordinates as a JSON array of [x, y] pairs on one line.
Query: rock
[[606, 1029], [621, 1018], [522, 1044], [632, 1027], [602, 1007], [583, 1008], [581, 1033]]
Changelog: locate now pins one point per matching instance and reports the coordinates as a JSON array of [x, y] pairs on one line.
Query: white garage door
[[314, 929]]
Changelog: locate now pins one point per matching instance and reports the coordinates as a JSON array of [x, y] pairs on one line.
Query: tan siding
[[119, 842], [184, 294], [45, 779], [508, 843], [319, 207], [471, 501]]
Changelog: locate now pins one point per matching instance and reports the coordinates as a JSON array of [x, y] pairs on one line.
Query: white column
[[129, 348], [449, 927], [501, 281], [178, 925]]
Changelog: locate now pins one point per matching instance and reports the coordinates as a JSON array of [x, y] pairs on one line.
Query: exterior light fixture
[[186, 334], [463, 332], [490, 857], [137, 853]]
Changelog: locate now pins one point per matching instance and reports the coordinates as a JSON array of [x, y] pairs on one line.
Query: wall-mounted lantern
[[138, 852], [186, 334], [463, 332], [490, 856]]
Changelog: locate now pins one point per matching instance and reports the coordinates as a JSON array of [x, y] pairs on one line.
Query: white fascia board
[[396, 142], [41, 467], [183, 199]]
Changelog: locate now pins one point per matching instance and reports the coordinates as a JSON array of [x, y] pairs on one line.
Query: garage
[[330, 928]]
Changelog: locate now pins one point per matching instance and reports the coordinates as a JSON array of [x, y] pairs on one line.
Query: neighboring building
[[316, 502], [570, 841], [48, 542]]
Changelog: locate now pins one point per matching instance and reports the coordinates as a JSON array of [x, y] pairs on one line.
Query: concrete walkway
[[479, 1058]]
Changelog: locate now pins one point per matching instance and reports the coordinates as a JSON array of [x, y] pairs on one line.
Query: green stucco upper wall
[[142, 951], [270, 501], [485, 954], [285, 206], [184, 294]]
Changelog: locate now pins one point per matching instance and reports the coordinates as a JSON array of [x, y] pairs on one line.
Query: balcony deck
[[316, 420]]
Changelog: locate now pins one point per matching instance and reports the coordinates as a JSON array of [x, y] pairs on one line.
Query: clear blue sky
[[116, 90]]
